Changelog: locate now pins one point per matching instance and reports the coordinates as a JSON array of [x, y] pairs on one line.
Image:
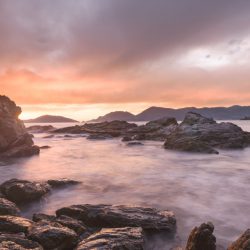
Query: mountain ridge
[[49, 119]]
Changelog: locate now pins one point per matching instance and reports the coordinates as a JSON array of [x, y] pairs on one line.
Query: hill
[[218, 113], [49, 119]]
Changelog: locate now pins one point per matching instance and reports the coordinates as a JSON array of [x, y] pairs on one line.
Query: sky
[[84, 58]]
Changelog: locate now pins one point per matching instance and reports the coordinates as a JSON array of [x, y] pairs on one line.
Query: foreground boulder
[[114, 239], [200, 134], [14, 139], [52, 235], [66, 221], [8, 208], [202, 238], [17, 242], [109, 216], [14, 224], [21, 191], [243, 243]]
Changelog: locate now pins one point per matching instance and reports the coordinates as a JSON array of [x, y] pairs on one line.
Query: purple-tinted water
[[197, 187]]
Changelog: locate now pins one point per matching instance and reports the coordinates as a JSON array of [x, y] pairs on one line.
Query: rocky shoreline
[[92, 227]]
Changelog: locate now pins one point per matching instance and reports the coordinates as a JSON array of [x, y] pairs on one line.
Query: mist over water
[[197, 187]]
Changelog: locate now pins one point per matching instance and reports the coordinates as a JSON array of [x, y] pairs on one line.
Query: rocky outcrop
[[40, 129], [14, 139], [202, 238], [8, 208], [52, 235], [100, 216], [14, 224], [114, 239], [21, 191], [17, 242], [62, 182], [243, 243], [110, 129], [200, 134]]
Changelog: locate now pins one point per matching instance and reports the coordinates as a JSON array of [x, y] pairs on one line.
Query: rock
[[109, 216], [66, 221], [48, 136], [14, 224], [134, 143], [200, 134], [40, 129], [114, 239], [52, 235], [62, 182], [243, 243], [45, 147], [99, 137], [8, 208], [14, 138], [21, 191], [202, 238], [17, 242], [163, 122], [127, 138]]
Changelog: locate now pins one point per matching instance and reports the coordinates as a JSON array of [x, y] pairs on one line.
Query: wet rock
[[8, 208], [200, 134], [149, 219], [99, 137], [45, 147], [134, 143], [17, 242], [114, 239], [52, 235], [243, 243], [40, 129], [21, 191], [14, 138], [66, 221], [14, 224], [62, 182], [202, 238], [127, 138]]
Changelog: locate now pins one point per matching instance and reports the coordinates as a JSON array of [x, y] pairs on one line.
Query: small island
[[49, 119]]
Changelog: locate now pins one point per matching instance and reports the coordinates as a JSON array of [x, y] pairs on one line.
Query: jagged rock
[[8, 208], [149, 219], [14, 224], [66, 221], [14, 139], [200, 134], [134, 143], [62, 182], [243, 243], [40, 129], [113, 128], [21, 191], [17, 242], [52, 235], [114, 239], [202, 238]]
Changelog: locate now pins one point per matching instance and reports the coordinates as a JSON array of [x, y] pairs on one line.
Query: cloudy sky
[[83, 58]]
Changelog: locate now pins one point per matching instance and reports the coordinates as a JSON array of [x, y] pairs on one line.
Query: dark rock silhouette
[[14, 139]]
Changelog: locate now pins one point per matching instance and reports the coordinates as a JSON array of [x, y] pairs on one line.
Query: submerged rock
[[109, 216], [52, 235], [17, 242], [62, 182], [66, 221], [114, 239], [99, 137], [40, 129], [243, 243], [200, 134], [14, 224], [8, 208], [45, 147], [134, 143], [21, 191], [14, 138], [202, 238]]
